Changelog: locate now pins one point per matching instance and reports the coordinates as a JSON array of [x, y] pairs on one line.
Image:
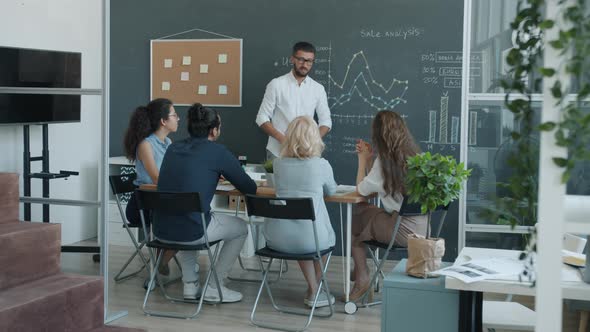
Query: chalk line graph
[[364, 85]]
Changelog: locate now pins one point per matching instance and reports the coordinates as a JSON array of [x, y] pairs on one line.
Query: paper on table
[[477, 270], [225, 187], [256, 176], [573, 258], [343, 189]]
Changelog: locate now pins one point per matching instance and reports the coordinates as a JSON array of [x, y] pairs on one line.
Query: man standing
[[291, 95]]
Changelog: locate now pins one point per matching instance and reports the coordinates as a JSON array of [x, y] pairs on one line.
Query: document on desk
[[225, 187], [573, 258], [256, 176], [477, 270], [343, 189]]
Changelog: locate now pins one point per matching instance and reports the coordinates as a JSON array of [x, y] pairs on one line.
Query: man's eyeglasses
[[302, 60], [174, 115]]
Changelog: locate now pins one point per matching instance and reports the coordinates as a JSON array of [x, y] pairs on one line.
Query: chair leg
[[375, 265], [369, 302], [283, 309], [138, 247], [283, 262], [145, 261], [374, 286], [306, 312], [213, 270], [243, 267], [279, 271], [199, 303], [256, 236]]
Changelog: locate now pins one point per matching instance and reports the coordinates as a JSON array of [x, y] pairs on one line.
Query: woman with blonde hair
[[302, 172], [394, 144]]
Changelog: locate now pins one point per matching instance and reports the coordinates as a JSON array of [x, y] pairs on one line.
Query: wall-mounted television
[[23, 68]]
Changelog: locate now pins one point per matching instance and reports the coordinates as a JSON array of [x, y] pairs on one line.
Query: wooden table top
[[352, 197]]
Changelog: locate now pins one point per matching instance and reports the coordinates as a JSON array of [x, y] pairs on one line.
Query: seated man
[[195, 165]]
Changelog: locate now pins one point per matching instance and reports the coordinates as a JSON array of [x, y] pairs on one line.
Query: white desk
[[120, 160], [471, 294], [572, 286]]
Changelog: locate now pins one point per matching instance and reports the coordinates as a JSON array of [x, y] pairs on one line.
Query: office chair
[[287, 208], [122, 185], [254, 230], [159, 203], [406, 210]]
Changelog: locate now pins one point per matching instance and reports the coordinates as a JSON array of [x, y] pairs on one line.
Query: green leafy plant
[[573, 43], [434, 180], [268, 166], [571, 131]]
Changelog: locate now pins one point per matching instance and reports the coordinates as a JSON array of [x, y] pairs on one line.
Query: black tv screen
[[40, 69]]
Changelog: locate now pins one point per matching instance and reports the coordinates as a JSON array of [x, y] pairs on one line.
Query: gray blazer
[[302, 178]]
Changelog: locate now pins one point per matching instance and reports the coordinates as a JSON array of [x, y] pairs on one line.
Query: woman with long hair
[[393, 143], [302, 172], [146, 138], [145, 143]]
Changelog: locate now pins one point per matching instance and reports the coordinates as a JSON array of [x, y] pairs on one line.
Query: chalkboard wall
[[403, 55]]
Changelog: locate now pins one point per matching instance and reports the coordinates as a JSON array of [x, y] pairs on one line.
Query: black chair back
[[413, 209], [121, 184], [171, 202], [280, 208]]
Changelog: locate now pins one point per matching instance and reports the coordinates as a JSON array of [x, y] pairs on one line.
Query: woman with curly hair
[[146, 138], [393, 144], [146, 141]]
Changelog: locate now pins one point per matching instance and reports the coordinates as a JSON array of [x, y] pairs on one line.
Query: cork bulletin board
[[208, 71]]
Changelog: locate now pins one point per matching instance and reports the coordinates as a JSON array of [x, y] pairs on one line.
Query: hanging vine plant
[[572, 131], [518, 203]]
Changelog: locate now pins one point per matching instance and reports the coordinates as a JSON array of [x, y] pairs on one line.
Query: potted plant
[[432, 181], [269, 173]]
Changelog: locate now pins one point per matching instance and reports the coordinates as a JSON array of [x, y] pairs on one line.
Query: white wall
[[64, 25]]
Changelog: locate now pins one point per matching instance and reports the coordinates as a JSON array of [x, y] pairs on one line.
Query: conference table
[[348, 199]]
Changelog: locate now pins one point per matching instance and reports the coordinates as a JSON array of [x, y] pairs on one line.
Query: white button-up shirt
[[285, 99], [373, 183]]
